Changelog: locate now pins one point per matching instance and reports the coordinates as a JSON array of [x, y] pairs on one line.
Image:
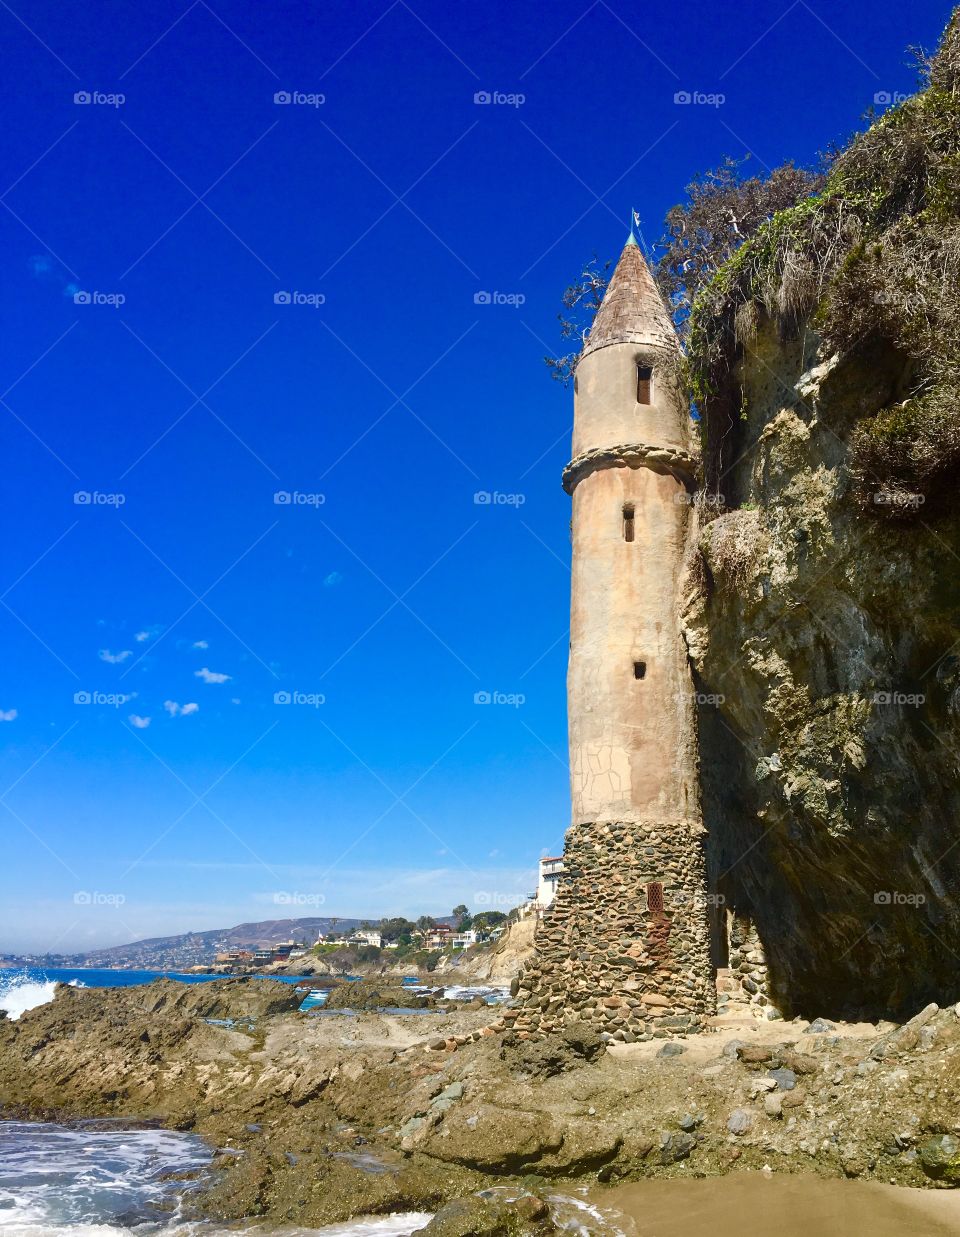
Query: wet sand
[[773, 1205]]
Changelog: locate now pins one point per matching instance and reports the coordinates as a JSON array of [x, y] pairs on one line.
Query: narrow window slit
[[628, 521], [639, 669], [644, 384]]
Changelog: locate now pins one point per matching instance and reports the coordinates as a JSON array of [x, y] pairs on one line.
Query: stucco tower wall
[[605, 408], [632, 747]]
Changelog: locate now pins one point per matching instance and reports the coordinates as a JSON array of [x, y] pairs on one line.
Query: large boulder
[[940, 1158], [368, 994], [482, 1217], [577, 1044], [239, 999]]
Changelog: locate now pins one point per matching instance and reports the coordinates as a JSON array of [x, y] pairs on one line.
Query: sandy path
[[776, 1205]]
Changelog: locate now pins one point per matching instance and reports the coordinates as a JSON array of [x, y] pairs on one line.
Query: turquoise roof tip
[[631, 239]]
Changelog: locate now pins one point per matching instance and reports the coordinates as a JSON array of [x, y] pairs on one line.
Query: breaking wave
[[20, 992]]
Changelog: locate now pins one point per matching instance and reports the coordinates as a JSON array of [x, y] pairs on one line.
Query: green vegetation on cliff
[[872, 259]]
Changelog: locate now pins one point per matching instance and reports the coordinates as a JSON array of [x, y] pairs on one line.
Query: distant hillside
[[161, 952]]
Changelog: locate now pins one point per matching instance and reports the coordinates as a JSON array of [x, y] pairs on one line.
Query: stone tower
[[626, 942]]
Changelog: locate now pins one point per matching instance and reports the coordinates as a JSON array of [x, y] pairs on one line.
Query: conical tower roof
[[632, 311]]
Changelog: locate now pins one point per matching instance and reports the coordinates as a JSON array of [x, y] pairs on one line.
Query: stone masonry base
[[626, 943]]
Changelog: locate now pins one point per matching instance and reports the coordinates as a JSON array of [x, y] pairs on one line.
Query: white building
[[463, 940], [551, 869], [367, 936]]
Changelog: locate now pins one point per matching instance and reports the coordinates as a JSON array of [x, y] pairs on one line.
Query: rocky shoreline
[[319, 1117]]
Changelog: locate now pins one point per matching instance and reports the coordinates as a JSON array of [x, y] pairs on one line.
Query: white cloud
[[148, 633], [114, 659], [183, 710], [200, 644], [211, 676], [8, 715], [141, 723]]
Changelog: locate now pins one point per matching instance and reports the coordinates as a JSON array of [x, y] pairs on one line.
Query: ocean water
[[93, 1181]]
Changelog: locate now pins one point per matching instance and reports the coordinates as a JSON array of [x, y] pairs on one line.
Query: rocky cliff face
[[823, 606], [830, 753]]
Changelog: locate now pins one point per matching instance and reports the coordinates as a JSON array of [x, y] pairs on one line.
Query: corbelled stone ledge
[[673, 461]]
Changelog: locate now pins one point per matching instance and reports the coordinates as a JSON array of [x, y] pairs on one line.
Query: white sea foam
[[20, 993], [402, 1224], [90, 1181]]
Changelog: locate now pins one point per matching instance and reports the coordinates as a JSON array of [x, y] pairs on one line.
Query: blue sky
[[183, 392]]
